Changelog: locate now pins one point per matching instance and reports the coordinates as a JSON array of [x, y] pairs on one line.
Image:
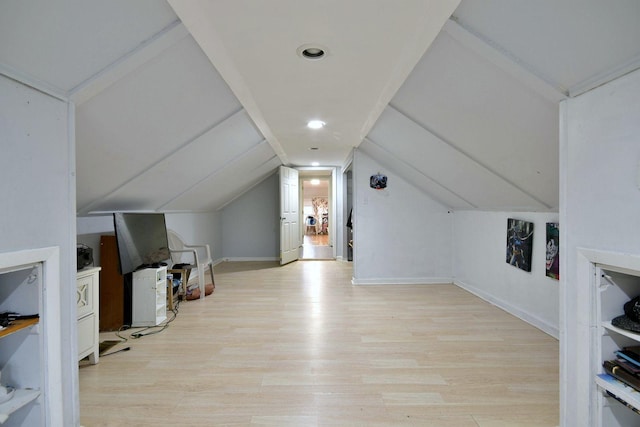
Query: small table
[[182, 290]]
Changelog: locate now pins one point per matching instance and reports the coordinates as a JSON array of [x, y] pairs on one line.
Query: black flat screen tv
[[141, 239]]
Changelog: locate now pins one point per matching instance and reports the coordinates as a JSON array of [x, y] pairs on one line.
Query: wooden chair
[[193, 257]]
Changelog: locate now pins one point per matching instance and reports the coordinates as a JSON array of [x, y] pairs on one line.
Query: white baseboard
[[244, 259], [403, 281], [522, 315]]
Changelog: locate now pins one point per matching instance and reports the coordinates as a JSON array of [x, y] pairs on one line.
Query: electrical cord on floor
[[117, 351], [144, 331], [151, 330], [113, 343], [141, 333], [123, 328]]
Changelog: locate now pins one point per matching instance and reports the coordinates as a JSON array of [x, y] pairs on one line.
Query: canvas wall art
[[519, 243], [553, 251]]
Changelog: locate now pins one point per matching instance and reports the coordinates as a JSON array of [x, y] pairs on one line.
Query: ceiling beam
[[33, 82], [231, 164], [472, 159], [506, 61], [141, 54], [605, 77], [387, 158], [88, 208], [257, 181], [214, 48]]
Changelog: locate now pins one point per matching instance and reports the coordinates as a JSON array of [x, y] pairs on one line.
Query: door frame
[[325, 173]]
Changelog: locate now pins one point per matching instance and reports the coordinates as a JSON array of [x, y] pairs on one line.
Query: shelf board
[[618, 388], [21, 397], [17, 326], [629, 334]]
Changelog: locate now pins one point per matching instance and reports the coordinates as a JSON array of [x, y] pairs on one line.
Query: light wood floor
[[300, 346], [316, 246]]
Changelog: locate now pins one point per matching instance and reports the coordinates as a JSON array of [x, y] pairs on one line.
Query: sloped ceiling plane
[[183, 105]]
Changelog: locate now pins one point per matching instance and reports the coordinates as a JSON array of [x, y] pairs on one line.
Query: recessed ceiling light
[[315, 164], [312, 51], [315, 182], [315, 124]]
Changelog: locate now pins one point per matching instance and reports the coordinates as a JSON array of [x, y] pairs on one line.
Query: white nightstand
[[88, 311]]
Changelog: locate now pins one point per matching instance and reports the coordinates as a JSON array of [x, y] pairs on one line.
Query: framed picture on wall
[[519, 243], [552, 263]]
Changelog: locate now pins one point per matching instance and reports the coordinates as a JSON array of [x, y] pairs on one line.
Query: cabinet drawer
[[85, 295], [86, 335]]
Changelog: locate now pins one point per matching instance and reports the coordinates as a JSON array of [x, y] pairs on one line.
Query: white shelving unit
[[616, 280], [149, 297]]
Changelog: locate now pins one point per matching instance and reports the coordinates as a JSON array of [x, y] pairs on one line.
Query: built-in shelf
[[628, 334], [628, 394], [18, 325], [614, 282], [30, 347], [21, 397]]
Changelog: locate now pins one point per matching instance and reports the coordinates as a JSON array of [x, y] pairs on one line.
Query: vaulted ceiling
[[184, 105]]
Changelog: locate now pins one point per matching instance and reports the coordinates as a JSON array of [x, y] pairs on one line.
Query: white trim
[[68, 294], [245, 259], [563, 319], [403, 281], [522, 315], [33, 82], [618, 261], [257, 182], [605, 77], [215, 49], [143, 53], [12, 261], [506, 61], [348, 161]]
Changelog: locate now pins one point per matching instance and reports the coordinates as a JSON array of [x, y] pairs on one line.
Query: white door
[[289, 216]]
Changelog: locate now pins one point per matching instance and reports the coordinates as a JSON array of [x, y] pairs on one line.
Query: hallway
[[316, 247]]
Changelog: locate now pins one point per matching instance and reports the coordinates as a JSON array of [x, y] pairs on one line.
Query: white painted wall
[[401, 235], [480, 266], [312, 191], [250, 225], [600, 209], [37, 183], [199, 228], [195, 228]]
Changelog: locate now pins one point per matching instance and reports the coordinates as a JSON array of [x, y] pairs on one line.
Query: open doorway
[[316, 205]]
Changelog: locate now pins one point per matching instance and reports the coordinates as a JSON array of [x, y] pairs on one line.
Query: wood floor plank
[[299, 345]]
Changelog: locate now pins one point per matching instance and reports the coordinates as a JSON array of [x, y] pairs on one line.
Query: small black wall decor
[[519, 243], [378, 181]]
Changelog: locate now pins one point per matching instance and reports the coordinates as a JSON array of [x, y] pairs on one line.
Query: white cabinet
[[149, 297], [615, 283], [88, 311]]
